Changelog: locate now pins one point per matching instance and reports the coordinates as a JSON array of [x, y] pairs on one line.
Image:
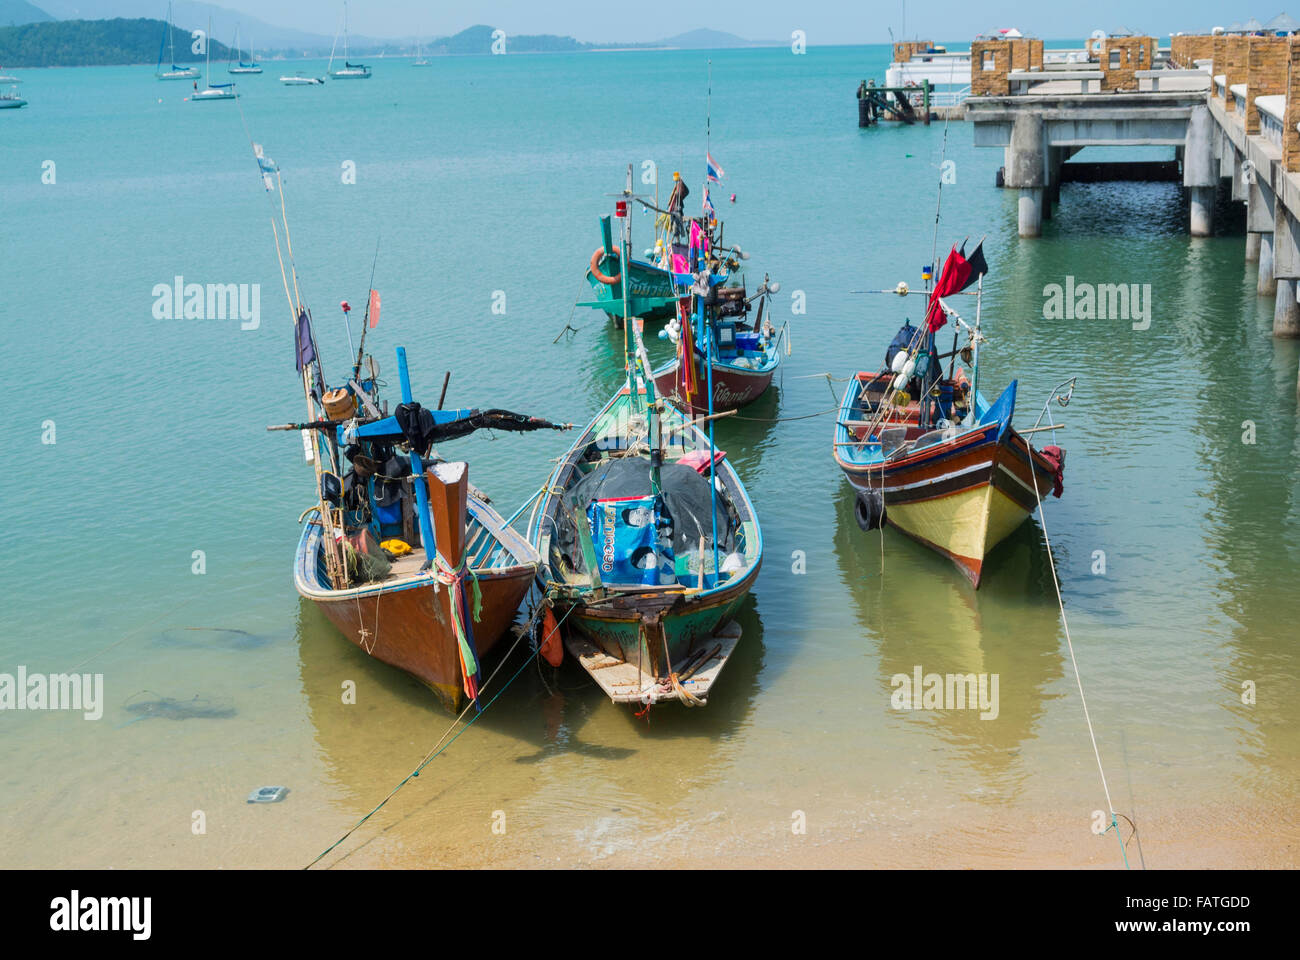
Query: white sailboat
[[350, 71], [169, 39], [302, 80], [242, 67], [213, 91], [420, 59]]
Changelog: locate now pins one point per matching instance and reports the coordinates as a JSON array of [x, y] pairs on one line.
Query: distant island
[[95, 43], [80, 43]]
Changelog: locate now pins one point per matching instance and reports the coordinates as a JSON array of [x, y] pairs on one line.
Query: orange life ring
[[595, 267]]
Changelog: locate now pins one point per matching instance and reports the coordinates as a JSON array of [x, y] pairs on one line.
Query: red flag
[[956, 273], [372, 309]]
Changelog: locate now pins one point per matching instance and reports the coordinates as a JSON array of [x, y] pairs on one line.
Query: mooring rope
[[1065, 623], [439, 747]]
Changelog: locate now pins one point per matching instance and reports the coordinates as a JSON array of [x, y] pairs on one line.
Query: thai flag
[[708, 206], [713, 171]]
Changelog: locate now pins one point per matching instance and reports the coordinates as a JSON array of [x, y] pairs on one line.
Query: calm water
[[488, 174]]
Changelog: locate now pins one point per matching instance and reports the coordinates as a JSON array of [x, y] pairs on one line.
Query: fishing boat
[[9, 99], [169, 40], [302, 80], [364, 556], [720, 355], [648, 541], [927, 453], [651, 292], [252, 66], [349, 71], [402, 554], [213, 91]]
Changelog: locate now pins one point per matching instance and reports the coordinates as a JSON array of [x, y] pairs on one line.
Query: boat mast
[[707, 333], [636, 356]]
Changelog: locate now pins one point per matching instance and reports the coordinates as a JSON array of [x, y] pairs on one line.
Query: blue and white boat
[[169, 40]]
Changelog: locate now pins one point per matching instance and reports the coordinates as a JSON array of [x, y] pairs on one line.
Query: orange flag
[[373, 309]]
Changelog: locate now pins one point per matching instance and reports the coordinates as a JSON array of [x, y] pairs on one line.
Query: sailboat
[[213, 91], [350, 71], [242, 67], [169, 40], [420, 59], [648, 541]]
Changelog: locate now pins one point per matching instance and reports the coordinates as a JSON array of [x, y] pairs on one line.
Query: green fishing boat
[[650, 295], [648, 541]]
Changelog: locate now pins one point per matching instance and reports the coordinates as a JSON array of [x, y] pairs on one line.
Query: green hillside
[[85, 43]]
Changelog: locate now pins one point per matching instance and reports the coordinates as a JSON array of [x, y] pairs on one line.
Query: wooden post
[[449, 503]]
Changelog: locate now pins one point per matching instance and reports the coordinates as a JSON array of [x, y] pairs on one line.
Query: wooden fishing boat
[[719, 355], [432, 613], [648, 541], [644, 642], [400, 552], [929, 455], [406, 619], [651, 292]]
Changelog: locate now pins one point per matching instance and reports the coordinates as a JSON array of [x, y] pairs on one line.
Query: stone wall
[[1121, 58]]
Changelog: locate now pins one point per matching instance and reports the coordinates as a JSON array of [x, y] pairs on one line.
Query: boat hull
[[409, 625], [651, 632], [961, 497], [733, 387], [648, 283]]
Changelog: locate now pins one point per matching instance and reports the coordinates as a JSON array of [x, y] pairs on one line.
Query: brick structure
[[1290, 136], [1186, 49], [1235, 52], [1267, 59], [1121, 57], [904, 50], [1218, 51], [991, 62]]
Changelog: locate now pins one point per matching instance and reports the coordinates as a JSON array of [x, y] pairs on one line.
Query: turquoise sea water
[[487, 175]]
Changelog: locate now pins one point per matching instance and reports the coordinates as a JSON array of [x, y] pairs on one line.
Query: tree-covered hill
[[82, 43]]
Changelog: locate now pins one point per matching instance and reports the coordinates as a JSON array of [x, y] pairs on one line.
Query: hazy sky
[[824, 21]]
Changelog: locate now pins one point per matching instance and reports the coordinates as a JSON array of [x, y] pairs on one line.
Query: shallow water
[[488, 174]]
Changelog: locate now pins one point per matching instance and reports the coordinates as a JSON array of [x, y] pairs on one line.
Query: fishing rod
[[365, 323]]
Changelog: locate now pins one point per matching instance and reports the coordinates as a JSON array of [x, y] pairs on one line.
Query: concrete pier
[[1227, 105]]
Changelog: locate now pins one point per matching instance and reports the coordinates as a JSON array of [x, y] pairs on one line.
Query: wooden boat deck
[[623, 682]]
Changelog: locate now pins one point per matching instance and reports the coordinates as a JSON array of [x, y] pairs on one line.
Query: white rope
[[1068, 642]]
